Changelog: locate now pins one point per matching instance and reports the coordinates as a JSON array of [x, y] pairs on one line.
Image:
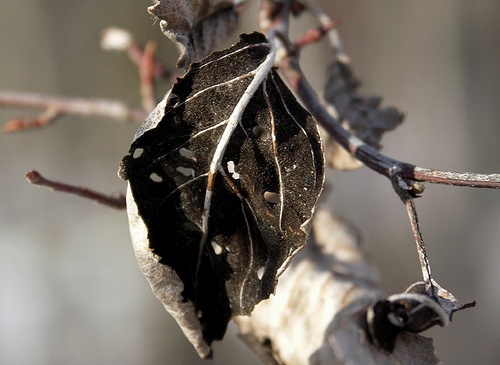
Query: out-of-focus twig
[[43, 119], [315, 34], [146, 73], [116, 201], [57, 105], [117, 39]]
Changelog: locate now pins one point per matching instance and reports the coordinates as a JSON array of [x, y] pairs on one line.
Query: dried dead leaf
[[225, 190], [196, 26], [363, 116]]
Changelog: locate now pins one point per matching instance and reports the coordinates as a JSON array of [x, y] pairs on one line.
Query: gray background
[[70, 290]]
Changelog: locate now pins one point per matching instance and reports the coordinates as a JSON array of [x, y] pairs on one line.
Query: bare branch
[[146, 73], [43, 119], [469, 179], [373, 159], [369, 156], [76, 106], [115, 201], [314, 35]]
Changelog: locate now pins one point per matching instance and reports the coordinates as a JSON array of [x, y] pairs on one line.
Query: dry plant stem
[[136, 55], [325, 20], [425, 265], [76, 106], [146, 73], [274, 16], [41, 120], [373, 159], [314, 35], [116, 201]]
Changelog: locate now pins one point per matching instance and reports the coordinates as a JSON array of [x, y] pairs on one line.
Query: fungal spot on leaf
[[260, 272], [216, 247], [155, 177], [184, 152], [271, 197], [138, 152], [186, 171], [260, 133]]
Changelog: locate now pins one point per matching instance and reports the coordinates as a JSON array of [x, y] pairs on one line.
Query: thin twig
[[116, 201], [369, 156], [333, 34], [314, 35], [118, 39], [136, 53], [146, 73], [425, 265], [76, 106], [372, 158], [43, 119]]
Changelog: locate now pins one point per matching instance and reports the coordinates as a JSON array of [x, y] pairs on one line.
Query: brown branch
[[314, 35], [372, 158], [43, 119], [146, 73], [62, 105], [116, 201]]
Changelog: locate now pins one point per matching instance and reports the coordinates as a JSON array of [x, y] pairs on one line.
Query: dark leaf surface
[[196, 26], [226, 200]]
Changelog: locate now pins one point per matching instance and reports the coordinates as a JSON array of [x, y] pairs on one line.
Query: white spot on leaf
[[184, 152], [260, 133], [271, 197], [260, 272], [186, 171], [216, 247], [138, 152], [155, 177]]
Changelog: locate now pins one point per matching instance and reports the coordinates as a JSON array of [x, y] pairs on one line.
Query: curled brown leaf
[[197, 27]]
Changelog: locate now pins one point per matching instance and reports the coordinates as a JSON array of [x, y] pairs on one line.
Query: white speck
[[137, 152], [260, 272], [155, 177], [216, 247]]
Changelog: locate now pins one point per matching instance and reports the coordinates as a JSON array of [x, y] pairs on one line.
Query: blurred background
[[70, 289]]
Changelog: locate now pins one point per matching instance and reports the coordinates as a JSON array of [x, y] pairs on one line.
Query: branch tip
[[34, 177], [115, 200]]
